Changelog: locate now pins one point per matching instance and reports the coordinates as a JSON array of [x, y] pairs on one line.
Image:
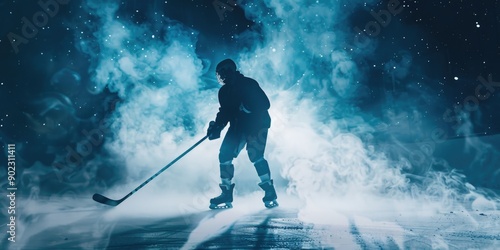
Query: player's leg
[[230, 148], [256, 145]]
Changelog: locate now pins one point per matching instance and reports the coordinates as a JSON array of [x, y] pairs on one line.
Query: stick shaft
[[163, 169]]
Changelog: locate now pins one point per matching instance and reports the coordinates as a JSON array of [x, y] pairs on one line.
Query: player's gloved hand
[[213, 131]]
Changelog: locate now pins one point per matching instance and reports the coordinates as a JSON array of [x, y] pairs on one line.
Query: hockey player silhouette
[[244, 105]]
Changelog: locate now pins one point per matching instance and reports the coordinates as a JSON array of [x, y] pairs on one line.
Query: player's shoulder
[[249, 80], [223, 89]]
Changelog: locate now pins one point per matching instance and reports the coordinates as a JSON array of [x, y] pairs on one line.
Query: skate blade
[[271, 204], [221, 206]]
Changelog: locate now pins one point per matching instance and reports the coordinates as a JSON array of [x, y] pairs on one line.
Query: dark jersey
[[244, 105]]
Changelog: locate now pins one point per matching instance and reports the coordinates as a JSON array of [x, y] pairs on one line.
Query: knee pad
[[226, 170], [230, 162], [258, 160], [262, 167]]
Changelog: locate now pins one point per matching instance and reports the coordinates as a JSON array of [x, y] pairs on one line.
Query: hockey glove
[[213, 131]]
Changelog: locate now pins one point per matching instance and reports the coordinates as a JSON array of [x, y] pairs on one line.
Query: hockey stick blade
[[105, 200]]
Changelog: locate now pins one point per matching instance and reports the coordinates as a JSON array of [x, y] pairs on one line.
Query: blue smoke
[[314, 83]]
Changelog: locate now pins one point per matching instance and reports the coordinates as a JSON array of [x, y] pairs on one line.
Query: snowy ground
[[250, 226]]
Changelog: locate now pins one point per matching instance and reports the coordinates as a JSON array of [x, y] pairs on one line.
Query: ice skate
[[270, 194], [224, 200]]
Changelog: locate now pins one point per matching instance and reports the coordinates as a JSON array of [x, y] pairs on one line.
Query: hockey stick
[[105, 200]]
